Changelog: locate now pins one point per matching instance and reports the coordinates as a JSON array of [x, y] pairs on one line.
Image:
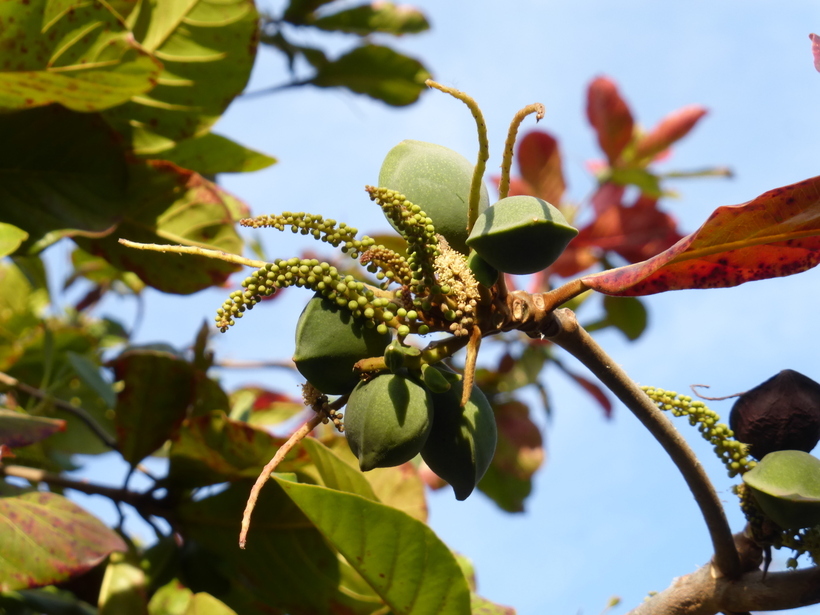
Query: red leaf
[[774, 235], [607, 195], [815, 49], [673, 127], [610, 117], [540, 164], [636, 232]]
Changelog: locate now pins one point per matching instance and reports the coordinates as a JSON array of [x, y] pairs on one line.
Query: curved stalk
[[509, 145], [569, 335], [196, 251]]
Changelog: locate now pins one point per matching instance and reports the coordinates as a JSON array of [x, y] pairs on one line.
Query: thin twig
[[469, 365], [483, 148], [509, 145], [695, 388], [264, 476], [570, 336], [77, 411], [196, 251]]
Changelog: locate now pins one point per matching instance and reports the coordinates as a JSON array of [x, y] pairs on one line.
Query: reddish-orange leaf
[[815, 49], [610, 117], [774, 235], [540, 164], [673, 127]]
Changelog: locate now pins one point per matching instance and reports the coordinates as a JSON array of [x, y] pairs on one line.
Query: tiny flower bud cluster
[[417, 228], [387, 265], [731, 452], [455, 277], [321, 229]]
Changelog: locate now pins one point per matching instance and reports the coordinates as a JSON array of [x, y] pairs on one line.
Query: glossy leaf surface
[[401, 558], [66, 540], [786, 485], [776, 234]]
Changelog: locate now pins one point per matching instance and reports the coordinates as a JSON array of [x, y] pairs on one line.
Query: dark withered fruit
[[781, 414]]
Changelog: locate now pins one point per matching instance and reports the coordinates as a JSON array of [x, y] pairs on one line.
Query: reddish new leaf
[[610, 117], [774, 235], [45, 539], [590, 387], [815, 49], [540, 163], [672, 128], [20, 429]]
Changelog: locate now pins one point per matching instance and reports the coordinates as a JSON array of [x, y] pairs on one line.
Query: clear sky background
[[609, 515]]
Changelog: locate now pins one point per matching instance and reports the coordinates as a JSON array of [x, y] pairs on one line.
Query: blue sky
[[609, 514]]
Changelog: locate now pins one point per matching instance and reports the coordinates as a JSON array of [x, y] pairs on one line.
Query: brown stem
[[264, 476], [569, 335], [77, 411], [469, 365]]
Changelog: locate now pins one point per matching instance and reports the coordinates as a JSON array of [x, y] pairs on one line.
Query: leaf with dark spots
[[774, 235], [539, 160], [610, 117], [519, 453], [169, 205], [815, 49], [212, 449], [46, 539], [672, 128], [158, 389], [20, 429]]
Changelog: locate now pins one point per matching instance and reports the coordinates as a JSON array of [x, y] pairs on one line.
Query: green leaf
[[482, 606], [20, 429], [287, 564], [335, 473], [376, 17], [100, 272], [61, 174], [157, 390], [10, 238], [298, 11], [647, 182], [400, 557], [378, 72], [207, 50], [77, 54], [205, 604], [627, 314], [49, 600], [45, 539], [123, 588], [210, 154], [169, 205], [89, 373], [786, 485], [213, 449], [170, 599]]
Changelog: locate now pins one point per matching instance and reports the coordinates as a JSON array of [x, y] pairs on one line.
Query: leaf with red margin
[[777, 234], [20, 429], [540, 163], [46, 539], [815, 49], [672, 128], [610, 117]]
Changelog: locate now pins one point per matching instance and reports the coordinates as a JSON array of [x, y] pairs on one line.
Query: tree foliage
[[107, 117]]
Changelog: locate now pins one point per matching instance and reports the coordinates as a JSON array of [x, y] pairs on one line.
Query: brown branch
[[705, 593], [77, 411], [569, 335]]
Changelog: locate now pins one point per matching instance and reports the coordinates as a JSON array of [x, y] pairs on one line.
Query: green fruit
[[438, 180], [521, 234], [483, 272], [329, 342], [387, 421], [462, 442], [786, 485]]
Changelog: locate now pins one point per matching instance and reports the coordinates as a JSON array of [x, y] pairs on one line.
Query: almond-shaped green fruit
[[329, 342], [786, 485], [521, 234], [462, 442], [437, 179], [387, 420]]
